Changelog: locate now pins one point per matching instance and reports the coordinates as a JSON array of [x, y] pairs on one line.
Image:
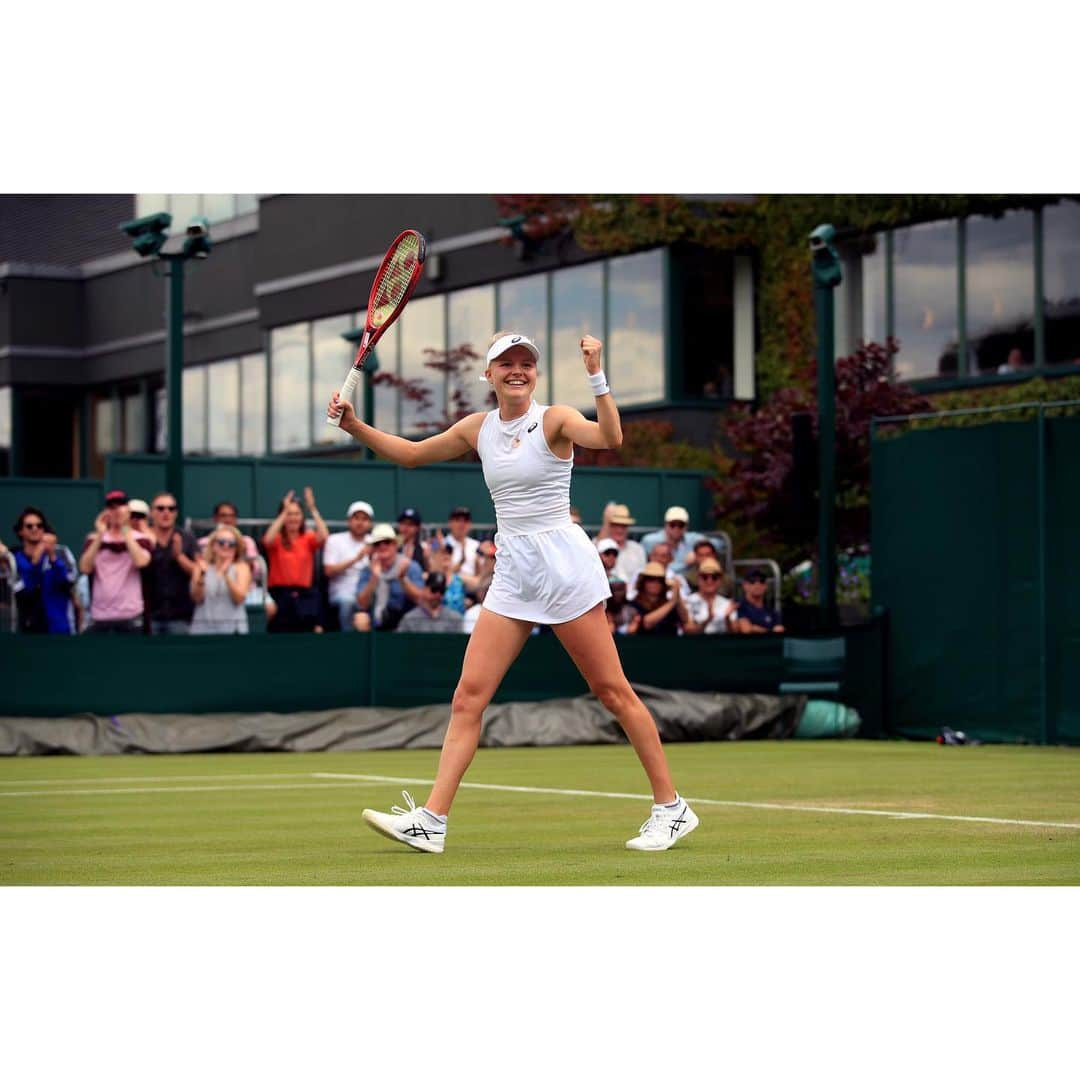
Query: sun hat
[[360, 505], [654, 569], [620, 515], [382, 532], [607, 544], [677, 513]]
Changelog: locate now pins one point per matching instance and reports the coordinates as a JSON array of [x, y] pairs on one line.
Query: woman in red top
[[290, 554]]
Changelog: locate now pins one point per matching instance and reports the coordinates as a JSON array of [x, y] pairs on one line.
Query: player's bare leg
[[592, 648], [493, 646]]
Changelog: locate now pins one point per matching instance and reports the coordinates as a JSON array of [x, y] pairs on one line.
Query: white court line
[[152, 779], [713, 802], [54, 793]]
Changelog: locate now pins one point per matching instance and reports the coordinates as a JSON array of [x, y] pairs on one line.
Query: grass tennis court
[[294, 819]]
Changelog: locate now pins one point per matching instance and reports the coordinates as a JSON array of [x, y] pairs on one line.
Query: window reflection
[[874, 323], [218, 207], [194, 410], [422, 326], [5, 429], [577, 309], [223, 422], [925, 276], [635, 346], [1061, 282], [134, 422], [332, 356], [253, 404], [1000, 291], [290, 389], [470, 321], [523, 307], [387, 400]]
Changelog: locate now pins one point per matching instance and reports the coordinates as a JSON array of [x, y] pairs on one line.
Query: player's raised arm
[[605, 432], [445, 446]]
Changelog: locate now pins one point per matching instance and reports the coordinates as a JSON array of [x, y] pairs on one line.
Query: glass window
[[253, 404], [5, 417], [134, 423], [218, 207], [874, 321], [246, 204], [105, 434], [635, 346], [194, 410], [151, 204], [290, 389], [387, 399], [577, 300], [1061, 282], [161, 421], [523, 307], [183, 209], [925, 282], [223, 400], [1000, 292], [471, 319], [332, 356], [422, 326]]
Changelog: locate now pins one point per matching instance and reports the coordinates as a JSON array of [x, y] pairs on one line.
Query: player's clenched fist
[[590, 353]]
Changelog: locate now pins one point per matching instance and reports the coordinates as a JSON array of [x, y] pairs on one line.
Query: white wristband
[[599, 384]]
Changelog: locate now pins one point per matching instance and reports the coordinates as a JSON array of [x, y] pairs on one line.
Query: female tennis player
[[546, 571]]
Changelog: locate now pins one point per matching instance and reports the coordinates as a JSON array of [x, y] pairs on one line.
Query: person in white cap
[[344, 556], [676, 532], [546, 571]]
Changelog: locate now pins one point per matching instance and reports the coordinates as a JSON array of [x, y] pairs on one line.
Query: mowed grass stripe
[[54, 793], [256, 832], [697, 800]]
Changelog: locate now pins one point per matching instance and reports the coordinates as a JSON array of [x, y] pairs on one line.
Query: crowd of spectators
[[139, 571]]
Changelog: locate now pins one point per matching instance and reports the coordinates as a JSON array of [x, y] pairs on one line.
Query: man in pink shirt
[[113, 556]]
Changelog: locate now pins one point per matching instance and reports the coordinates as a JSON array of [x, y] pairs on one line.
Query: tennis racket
[[395, 280]]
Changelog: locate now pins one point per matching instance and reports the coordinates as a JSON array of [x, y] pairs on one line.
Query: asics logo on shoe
[[678, 822], [419, 830]]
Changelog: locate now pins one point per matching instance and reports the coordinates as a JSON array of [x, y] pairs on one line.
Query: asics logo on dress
[[533, 428]]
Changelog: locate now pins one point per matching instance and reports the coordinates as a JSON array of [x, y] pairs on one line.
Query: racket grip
[[347, 388]]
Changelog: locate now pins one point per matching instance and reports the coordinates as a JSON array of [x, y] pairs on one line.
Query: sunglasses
[[165, 506], [677, 524], [137, 514], [33, 525], [225, 543], [709, 577]]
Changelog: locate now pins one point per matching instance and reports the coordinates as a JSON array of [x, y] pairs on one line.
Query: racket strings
[[392, 286]]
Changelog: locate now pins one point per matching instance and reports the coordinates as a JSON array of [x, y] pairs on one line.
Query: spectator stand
[[9, 574]]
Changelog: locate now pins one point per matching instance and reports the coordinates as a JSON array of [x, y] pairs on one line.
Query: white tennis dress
[[546, 567]]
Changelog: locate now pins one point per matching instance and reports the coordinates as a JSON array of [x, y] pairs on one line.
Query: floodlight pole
[[825, 268], [174, 379]]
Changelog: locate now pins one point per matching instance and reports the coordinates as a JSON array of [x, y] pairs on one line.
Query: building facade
[[82, 317]]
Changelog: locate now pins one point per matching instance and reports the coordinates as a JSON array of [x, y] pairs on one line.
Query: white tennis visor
[[509, 341]]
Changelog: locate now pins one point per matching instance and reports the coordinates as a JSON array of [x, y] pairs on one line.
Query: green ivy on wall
[[775, 228]]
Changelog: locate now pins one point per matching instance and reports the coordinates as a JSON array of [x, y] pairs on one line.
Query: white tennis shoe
[[412, 826], [666, 826]]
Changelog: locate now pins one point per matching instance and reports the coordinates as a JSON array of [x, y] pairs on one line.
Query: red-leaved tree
[[759, 495]]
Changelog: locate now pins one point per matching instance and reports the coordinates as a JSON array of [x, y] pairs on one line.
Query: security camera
[[822, 237], [197, 243], [148, 234]]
